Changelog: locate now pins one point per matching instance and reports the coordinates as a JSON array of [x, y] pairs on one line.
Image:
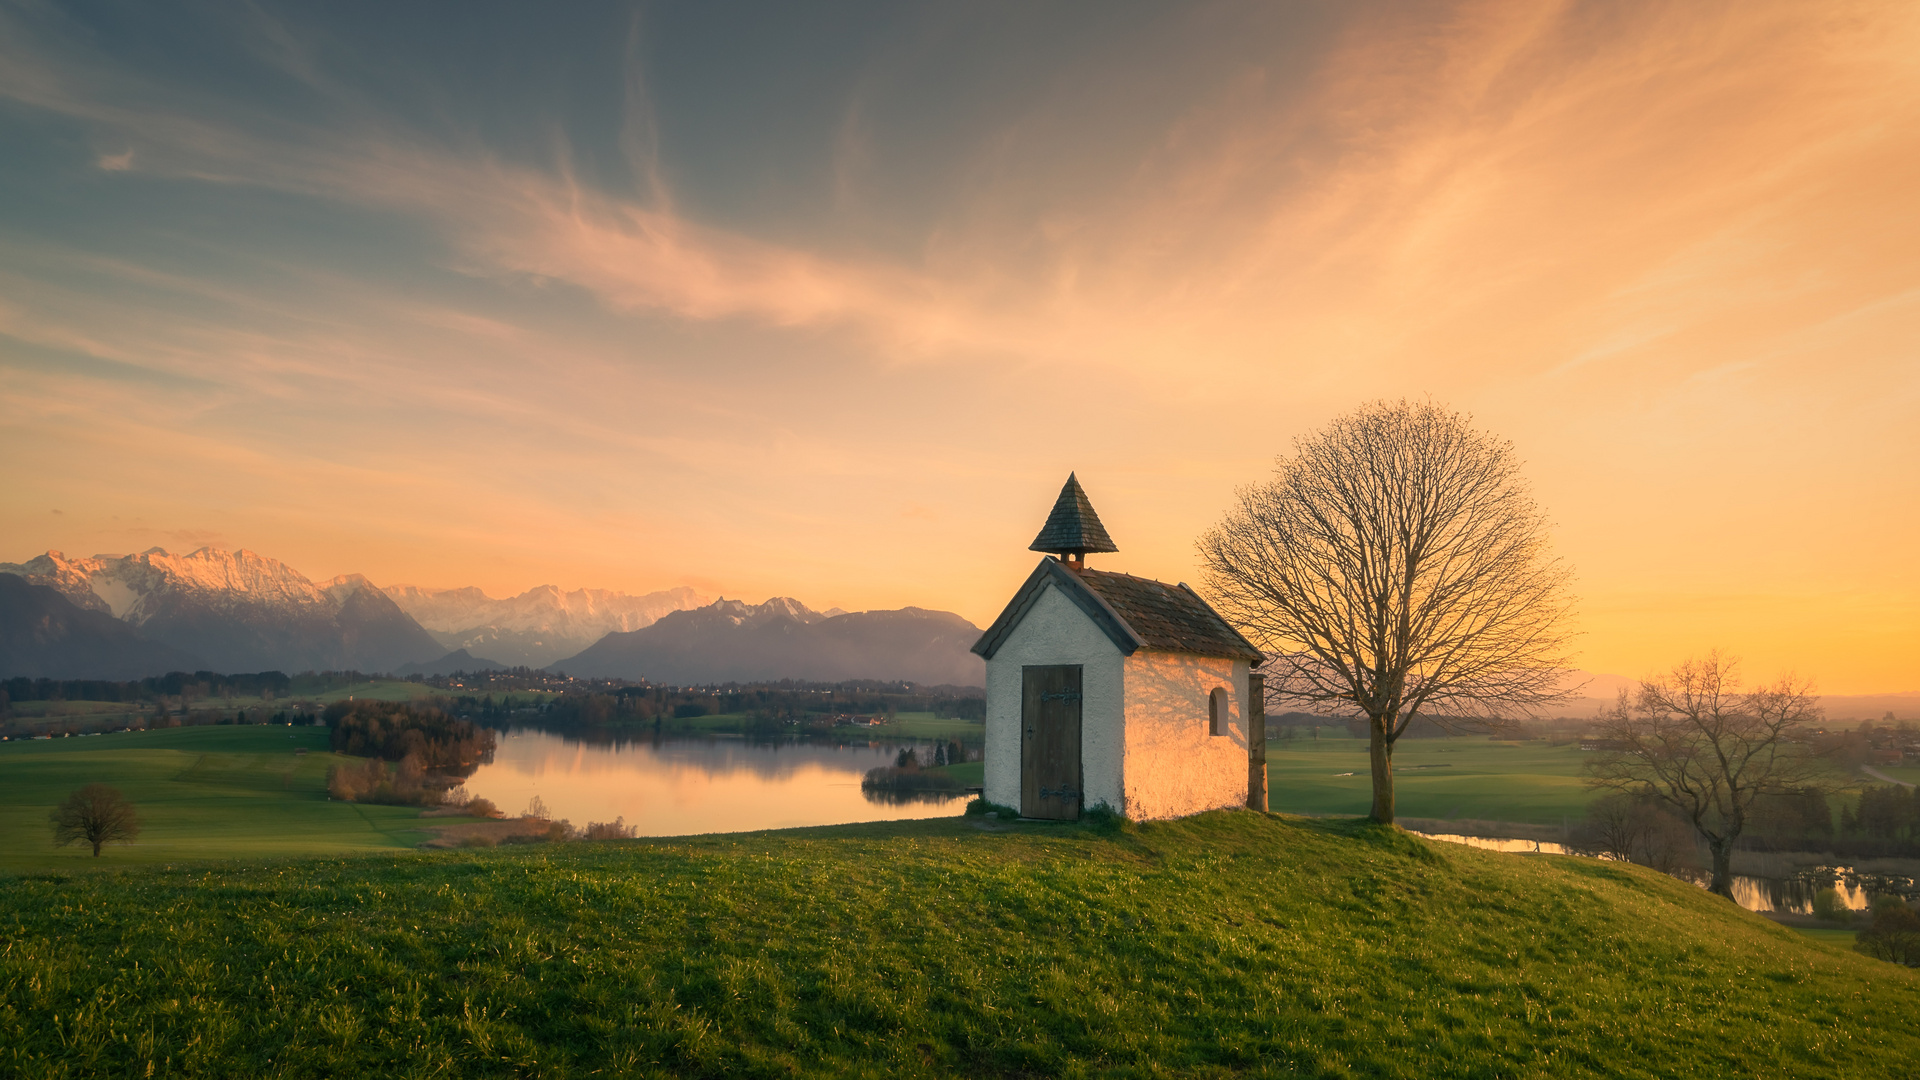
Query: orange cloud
[[1665, 248]]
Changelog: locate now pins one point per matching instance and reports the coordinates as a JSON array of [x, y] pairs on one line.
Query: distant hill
[[45, 635], [538, 626], [1596, 694], [239, 610], [729, 641], [458, 660]]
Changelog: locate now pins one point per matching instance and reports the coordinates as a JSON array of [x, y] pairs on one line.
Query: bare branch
[[1693, 741], [1396, 567]]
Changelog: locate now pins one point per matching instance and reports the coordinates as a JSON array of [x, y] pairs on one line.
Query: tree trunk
[[96, 849], [1722, 867], [1381, 753]]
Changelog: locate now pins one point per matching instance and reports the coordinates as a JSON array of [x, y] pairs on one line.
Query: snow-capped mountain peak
[[537, 626], [239, 610]]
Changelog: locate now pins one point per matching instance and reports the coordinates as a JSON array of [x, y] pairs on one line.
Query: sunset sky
[[826, 300]]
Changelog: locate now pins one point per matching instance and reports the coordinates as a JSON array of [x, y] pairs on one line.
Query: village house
[[1105, 689]]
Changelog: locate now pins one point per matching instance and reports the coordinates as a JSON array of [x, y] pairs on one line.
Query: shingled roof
[[1135, 613], [1072, 526]]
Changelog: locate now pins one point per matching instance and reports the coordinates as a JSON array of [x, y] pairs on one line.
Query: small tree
[[1395, 566], [1695, 742], [96, 814], [1634, 828], [1894, 934]]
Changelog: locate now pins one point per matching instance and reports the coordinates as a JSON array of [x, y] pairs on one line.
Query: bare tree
[[1692, 740], [1395, 567], [95, 814]]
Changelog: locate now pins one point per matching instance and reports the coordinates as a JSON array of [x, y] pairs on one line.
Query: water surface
[[1794, 894], [675, 785]]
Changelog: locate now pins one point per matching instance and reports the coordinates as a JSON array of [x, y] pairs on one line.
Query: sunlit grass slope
[[1232, 943], [1433, 778], [205, 792]]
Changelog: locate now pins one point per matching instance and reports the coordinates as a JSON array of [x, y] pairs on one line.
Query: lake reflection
[[1855, 890], [677, 785]]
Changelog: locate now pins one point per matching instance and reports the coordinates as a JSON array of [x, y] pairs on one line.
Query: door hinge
[[1063, 793], [1070, 696]]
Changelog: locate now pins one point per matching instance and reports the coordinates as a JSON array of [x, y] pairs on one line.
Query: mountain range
[[730, 641], [43, 635], [128, 616], [238, 610], [538, 626]]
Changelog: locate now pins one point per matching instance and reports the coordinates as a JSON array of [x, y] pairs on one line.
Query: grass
[[1226, 944], [1906, 774], [1452, 779], [202, 792], [904, 726], [93, 712], [967, 773], [909, 725], [1827, 935], [35, 710]]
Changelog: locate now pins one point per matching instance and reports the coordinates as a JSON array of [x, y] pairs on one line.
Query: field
[[905, 726], [1906, 774], [202, 793], [307, 689], [1451, 779], [1230, 943]]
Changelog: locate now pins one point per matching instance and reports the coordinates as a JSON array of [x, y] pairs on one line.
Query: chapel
[[1105, 689]]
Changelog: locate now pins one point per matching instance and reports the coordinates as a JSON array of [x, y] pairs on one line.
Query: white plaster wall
[[1055, 631], [1172, 766]]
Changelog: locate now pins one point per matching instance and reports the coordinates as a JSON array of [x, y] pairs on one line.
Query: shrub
[[548, 832], [1828, 905], [1104, 819], [1894, 934], [370, 782], [1637, 829], [617, 829], [476, 841], [482, 808], [980, 805]]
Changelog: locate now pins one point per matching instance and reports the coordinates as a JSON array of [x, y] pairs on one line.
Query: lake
[[675, 785], [1794, 894]]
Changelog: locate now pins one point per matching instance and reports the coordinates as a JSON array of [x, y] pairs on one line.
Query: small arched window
[[1218, 710]]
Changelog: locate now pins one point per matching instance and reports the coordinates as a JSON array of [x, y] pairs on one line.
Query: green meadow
[[906, 725], [1452, 779], [1232, 943], [225, 792], [307, 689]]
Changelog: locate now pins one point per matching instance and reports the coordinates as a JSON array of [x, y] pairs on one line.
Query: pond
[[676, 785], [1791, 894]]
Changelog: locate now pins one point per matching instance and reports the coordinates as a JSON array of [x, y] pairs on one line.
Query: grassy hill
[[1231, 943]]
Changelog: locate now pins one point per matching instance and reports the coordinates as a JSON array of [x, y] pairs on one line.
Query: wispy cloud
[[1643, 239]]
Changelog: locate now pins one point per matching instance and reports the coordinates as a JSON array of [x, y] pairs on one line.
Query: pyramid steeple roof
[[1072, 527]]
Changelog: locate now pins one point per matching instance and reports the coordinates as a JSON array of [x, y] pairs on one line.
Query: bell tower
[[1072, 529]]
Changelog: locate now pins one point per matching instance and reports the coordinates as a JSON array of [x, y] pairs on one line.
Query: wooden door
[[1050, 742]]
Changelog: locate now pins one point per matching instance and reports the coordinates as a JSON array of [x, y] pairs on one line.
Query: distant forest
[[774, 706], [177, 685]]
